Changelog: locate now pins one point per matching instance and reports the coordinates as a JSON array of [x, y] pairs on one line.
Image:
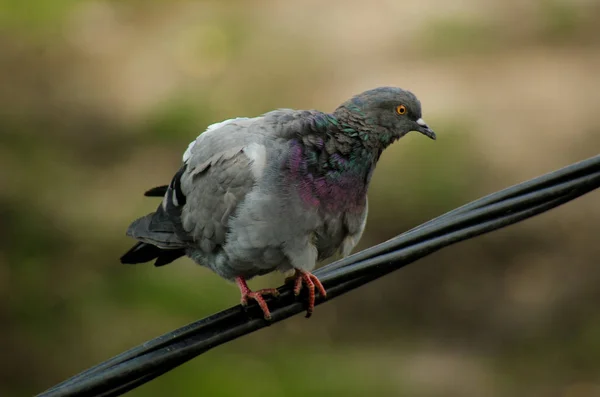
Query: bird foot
[[258, 296], [311, 281]]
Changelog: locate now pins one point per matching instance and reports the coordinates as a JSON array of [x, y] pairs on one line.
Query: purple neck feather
[[331, 182]]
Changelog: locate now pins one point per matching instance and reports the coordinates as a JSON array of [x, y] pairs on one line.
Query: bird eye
[[401, 109]]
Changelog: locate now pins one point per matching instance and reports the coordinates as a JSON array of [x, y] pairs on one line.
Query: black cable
[[153, 358]]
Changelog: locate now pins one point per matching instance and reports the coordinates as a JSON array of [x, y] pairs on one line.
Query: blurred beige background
[[99, 99]]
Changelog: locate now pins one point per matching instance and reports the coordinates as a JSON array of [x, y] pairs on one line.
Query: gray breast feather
[[355, 225]]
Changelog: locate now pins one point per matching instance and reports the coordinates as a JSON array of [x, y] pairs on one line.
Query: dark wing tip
[[168, 256], [158, 191], [144, 252], [140, 253]]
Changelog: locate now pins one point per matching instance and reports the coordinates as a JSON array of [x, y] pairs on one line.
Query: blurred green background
[[98, 100]]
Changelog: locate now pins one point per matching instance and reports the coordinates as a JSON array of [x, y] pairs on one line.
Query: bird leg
[[247, 293], [311, 281]]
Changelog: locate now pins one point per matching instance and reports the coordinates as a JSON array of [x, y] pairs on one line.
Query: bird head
[[387, 112]]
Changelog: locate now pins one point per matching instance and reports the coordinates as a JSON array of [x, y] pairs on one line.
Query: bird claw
[[257, 296], [312, 283]]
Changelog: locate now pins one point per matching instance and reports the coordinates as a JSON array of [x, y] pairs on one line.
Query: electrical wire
[[141, 364]]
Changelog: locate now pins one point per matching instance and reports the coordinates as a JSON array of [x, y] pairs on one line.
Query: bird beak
[[425, 130]]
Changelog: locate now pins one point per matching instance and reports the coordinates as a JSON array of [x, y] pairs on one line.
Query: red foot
[[257, 296], [304, 277]]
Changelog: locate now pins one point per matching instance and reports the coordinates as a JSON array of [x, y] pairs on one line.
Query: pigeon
[[281, 191]]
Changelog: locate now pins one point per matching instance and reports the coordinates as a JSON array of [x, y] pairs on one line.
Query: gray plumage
[[276, 192]]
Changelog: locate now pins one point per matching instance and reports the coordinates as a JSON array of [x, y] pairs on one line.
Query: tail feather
[[144, 252], [168, 256], [158, 191], [140, 253], [158, 232], [156, 228], [157, 240]]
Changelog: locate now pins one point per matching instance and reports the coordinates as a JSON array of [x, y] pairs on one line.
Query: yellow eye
[[401, 109]]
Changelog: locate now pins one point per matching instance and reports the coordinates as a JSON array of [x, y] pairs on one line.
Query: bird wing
[[220, 167], [213, 193], [223, 166], [218, 171]]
